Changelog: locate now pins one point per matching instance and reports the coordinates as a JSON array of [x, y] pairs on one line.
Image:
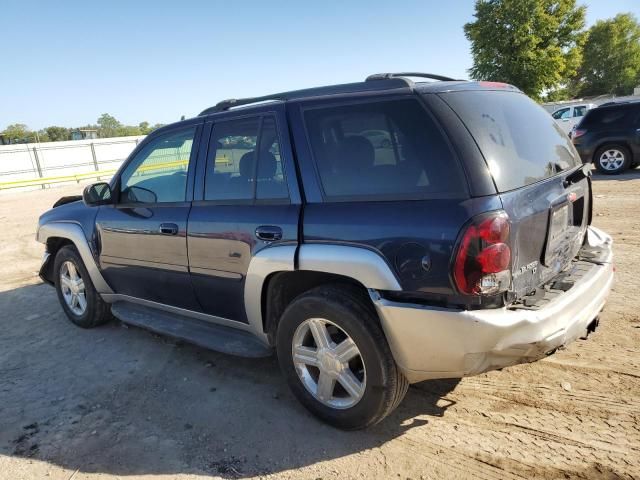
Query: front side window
[[385, 149], [244, 161], [564, 113], [158, 173]]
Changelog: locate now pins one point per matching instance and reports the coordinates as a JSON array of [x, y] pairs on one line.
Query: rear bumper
[[429, 342]]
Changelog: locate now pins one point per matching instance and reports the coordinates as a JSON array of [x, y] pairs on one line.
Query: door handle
[[269, 233], [168, 229]]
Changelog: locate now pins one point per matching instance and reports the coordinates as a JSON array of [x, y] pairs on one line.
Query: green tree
[[533, 44], [128, 131], [611, 57], [57, 134], [18, 133], [108, 126], [145, 128]]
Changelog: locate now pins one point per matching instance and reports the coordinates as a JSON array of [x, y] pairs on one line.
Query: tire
[[345, 316], [612, 159], [95, 312]]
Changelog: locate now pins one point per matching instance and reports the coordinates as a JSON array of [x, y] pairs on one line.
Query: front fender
[[73, 232]]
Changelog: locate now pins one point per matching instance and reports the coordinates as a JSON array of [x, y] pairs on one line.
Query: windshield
[[520, 141]]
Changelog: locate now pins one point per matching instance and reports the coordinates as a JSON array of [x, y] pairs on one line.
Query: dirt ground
[[119, 402]]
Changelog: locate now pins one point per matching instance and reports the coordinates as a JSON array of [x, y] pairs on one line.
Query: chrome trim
[[216, 273], [116, 297], [263, 264], [130, 262], [73, 232], [363, 265]]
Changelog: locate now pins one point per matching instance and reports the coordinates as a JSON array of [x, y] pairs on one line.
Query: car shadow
[[631, 174], [124, 401]]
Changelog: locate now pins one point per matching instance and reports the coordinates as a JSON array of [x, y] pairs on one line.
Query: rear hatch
[[539, 178]]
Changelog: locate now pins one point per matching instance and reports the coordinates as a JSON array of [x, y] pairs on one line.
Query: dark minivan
[[373, 234], [609, 136]]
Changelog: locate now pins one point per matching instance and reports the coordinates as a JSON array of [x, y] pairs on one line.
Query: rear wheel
[[612, 159], [336, 359], [79, 299]]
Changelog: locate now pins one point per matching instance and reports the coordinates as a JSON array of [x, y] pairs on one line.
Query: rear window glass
[[520, 141], [386, 149]]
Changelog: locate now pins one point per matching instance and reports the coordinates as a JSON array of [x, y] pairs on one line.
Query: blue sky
[[65, 63]]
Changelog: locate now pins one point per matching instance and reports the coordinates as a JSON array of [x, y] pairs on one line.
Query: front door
[[246, 200], [143, 236]]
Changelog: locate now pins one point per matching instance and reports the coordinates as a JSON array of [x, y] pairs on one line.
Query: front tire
[[77, 295], [612, 159], [335, 357]]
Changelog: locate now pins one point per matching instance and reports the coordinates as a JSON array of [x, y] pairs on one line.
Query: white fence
[[33, 164]]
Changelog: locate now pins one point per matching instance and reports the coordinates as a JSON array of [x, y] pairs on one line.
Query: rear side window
[[232, 172], [387, 149], [520, 141], [617, 117]]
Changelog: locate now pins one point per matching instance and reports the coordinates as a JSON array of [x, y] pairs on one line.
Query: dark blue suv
[[373, 234]]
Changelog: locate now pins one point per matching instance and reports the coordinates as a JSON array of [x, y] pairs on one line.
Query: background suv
[[609, 136], [460, 242]]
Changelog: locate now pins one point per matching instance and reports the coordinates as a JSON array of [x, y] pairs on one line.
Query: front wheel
[[612, 159], [335, 357], [79, 299]]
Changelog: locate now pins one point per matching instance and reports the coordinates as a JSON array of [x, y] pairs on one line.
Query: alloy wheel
[[611, 159], [328, 363], [73, 290]]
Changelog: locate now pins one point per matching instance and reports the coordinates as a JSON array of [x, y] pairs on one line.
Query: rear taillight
[[483, 256], [578, 133]]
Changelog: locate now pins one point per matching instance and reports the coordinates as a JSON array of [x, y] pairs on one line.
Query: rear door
[[142, 236], [379, 173], [538, 175], [247, 199]]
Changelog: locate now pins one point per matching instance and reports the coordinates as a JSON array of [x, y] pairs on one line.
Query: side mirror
[[97, 194]]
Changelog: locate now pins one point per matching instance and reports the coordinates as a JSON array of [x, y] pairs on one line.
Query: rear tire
[[364, 385], [612, 159], [76, 293]]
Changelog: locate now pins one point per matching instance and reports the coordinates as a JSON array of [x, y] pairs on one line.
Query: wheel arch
[[59, 234], [277, 275]]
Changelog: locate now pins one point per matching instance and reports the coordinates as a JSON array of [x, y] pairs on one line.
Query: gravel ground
[[121, 402]]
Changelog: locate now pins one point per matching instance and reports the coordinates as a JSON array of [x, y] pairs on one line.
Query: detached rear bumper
[[429, 342]]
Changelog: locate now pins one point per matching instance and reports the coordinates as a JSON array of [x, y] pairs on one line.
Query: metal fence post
[[35, 155], [93, 155]]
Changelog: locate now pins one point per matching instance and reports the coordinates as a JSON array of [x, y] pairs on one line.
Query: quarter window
[[386, 149], [232, 170], [158, 173]]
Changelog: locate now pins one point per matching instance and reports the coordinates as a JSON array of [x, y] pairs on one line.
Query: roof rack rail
[[237, 102], [386, 76]]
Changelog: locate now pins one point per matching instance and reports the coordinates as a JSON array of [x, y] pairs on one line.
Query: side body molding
[[361, 264], [74, 232]]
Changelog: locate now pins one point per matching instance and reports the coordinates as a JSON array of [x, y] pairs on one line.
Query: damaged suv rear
[[530, 272]]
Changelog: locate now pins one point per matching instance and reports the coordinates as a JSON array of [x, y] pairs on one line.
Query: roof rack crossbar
[[386, 76], [237, 102]]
